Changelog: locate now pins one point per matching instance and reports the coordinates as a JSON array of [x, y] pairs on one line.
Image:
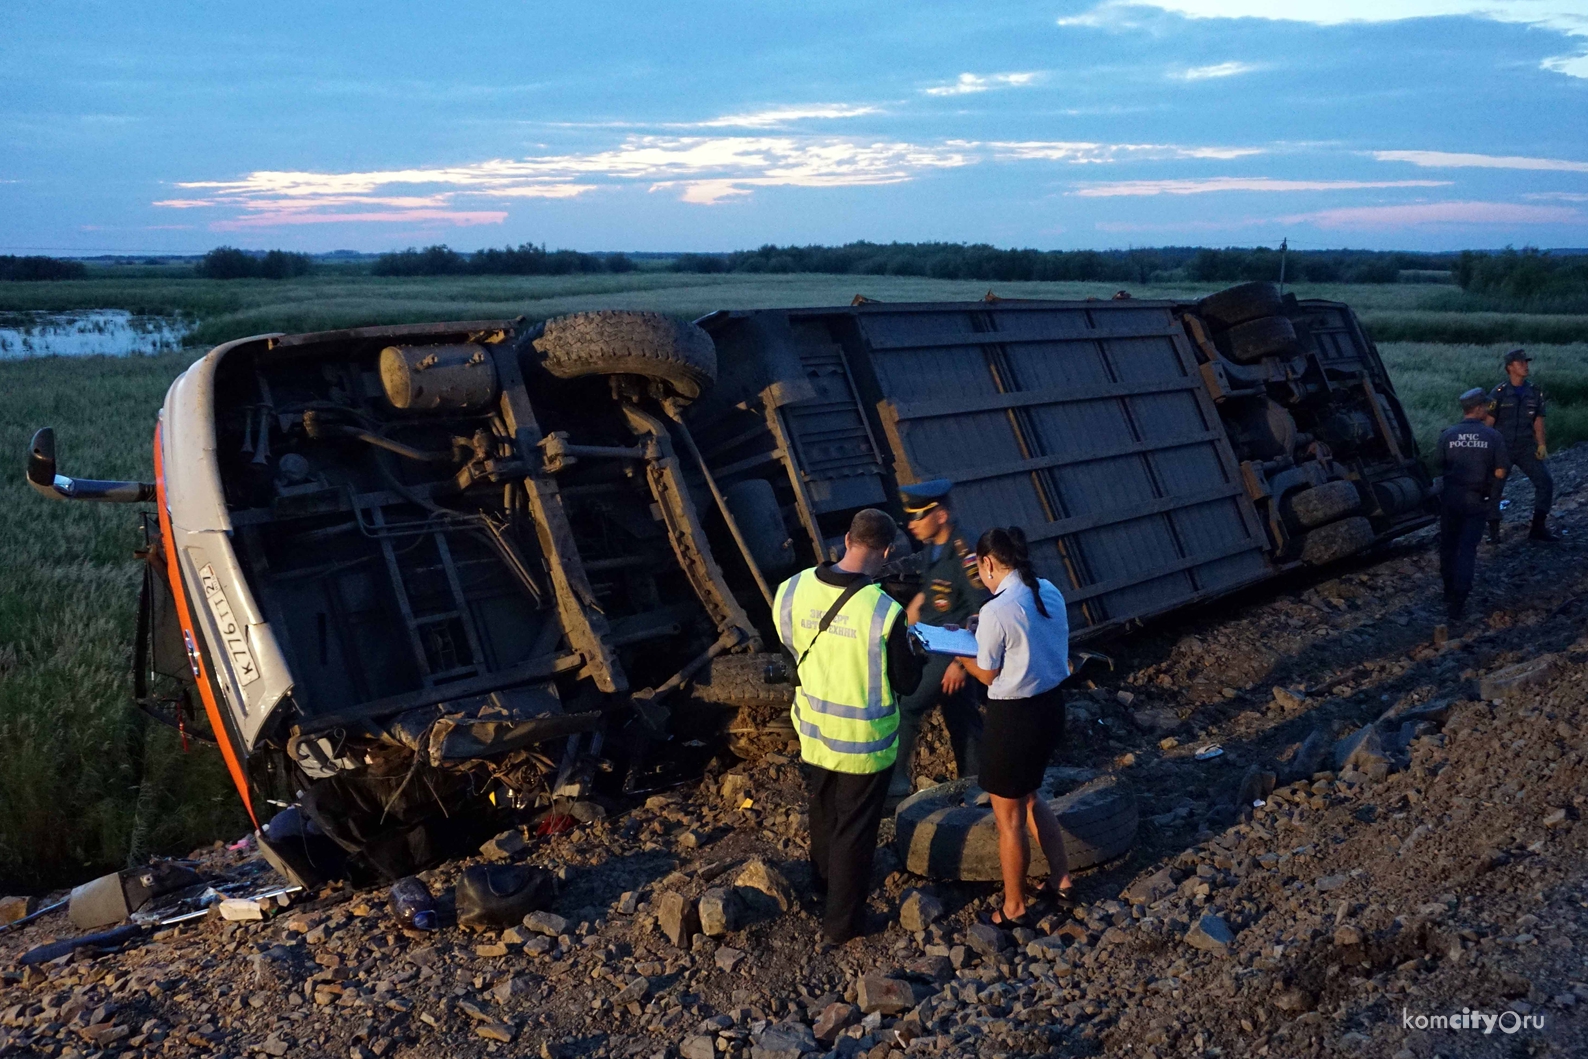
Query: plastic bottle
[[412, 904]]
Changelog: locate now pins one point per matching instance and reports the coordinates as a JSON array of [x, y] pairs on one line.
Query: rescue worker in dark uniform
[[951, 591], [1518, 414], [1472, 457]]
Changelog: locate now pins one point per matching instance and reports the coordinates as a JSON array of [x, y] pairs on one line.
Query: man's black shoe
[[1494, 531], [1455, 607], [1540, 530]]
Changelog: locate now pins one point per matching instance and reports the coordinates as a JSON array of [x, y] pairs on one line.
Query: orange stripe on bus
[[223, 737]]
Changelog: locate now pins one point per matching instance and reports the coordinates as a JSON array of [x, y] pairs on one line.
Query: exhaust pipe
[[42, 476]]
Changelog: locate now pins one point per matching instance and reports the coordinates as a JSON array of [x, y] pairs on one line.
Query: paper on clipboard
[[957, 643]]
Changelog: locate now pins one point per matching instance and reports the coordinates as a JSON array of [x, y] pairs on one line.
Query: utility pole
[[1284, 246]]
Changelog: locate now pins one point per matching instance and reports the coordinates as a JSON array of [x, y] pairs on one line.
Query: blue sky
[[1419, 124]]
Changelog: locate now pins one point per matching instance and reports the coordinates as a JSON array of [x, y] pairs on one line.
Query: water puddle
[[86, 332]]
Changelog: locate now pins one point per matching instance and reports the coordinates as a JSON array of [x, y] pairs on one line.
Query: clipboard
[[956, 643]]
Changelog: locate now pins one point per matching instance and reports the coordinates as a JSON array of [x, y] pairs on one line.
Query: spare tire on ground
[[612, 342], [1236, 305], [1337, 540], [937, 835], [740, 680], [1324, 503], [1271, 336]]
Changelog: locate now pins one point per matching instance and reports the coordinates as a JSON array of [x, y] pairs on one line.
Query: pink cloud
[[1417, 214], [460, 218]]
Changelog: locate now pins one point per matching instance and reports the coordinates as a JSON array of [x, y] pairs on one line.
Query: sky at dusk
[[175, 127]]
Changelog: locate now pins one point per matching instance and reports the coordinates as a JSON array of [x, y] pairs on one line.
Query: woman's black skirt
[[1020, 737]]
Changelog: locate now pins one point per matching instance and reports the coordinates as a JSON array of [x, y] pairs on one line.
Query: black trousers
[[1460, 530], [1538, 473], [961, 715], [845, 811]]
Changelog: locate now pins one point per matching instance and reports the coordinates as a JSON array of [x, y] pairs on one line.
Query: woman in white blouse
[[1023, 648]]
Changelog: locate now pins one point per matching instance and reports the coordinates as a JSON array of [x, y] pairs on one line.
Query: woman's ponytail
[[1009, 547]]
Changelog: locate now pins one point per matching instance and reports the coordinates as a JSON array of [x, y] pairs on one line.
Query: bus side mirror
[[42, 476], [41, 462]]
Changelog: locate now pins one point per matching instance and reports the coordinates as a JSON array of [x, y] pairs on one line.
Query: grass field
[[1407, 312], [73, 757], [84, 785]]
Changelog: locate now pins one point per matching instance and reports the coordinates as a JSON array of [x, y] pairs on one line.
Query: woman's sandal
[[1003, 922], [1058, 900]]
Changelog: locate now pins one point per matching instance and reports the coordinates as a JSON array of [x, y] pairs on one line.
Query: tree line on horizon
[[980, 261], [526, 259]]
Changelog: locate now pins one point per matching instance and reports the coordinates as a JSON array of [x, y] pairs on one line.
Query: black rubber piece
[[1322, 504], [1269, 336], [939, 837], [613, 342], [1236, 305], [1337, 540]]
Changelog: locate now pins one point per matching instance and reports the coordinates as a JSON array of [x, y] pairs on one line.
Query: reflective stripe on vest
[[845, 712]]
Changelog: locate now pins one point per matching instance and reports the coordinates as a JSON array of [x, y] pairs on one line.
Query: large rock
[[987, 939], [834, 1019], [515, 987], [677, 917], [504, 846], [1256, 785], [1359, 750], [786, 1040], [14, 908], [1514, 680], [699, 1046], [1290, 698], [918, 910], [1309, 757], [1156, 719], [735, 788], [1211, 934], [891, 996], [547, 923], [719, 912], [1150, 888], [273, 970], [637, 989], [766, 887]]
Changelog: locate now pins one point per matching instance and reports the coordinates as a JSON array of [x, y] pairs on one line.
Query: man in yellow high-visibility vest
[[853, 660]]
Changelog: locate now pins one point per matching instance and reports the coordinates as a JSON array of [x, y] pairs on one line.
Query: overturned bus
[[416, 576]]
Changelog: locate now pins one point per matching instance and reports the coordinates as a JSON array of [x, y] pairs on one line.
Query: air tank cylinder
[[458, 378]]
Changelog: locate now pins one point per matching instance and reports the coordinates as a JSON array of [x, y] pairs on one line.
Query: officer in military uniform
[[1473, 459], [951, 591], [1517, 412]]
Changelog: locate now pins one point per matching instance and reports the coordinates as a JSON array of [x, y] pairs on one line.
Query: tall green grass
[[73, 755], [1473, 328]]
